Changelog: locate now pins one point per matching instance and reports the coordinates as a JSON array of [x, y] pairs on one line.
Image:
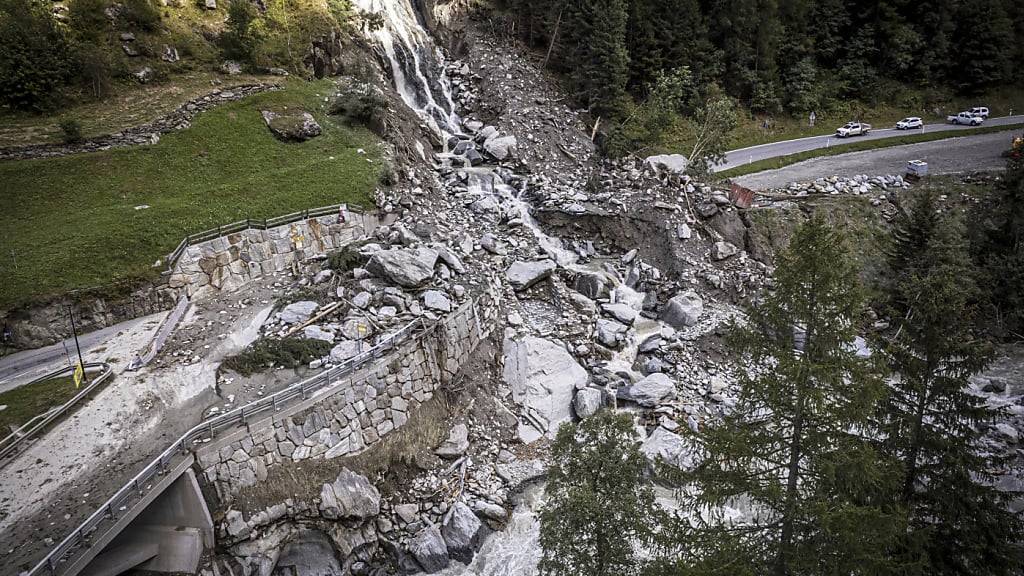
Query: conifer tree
[[960, 521], [795, 452], [599, 508], [597, 59]]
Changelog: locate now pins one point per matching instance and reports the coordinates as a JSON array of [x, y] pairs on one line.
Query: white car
[[980, 111], [909, 123], [853, 129], [965, 119]]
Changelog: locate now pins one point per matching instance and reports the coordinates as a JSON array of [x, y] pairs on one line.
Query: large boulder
[[523, 274], [349, 497], [543, 376], [668, 163], [297, 312], [723, 250], [407, 267], [345, 350], [456, 444], [429, 549], [683, 310], [461, 533], [587, 402], [593, 285], [294, 126], [501, 147], [668, 447], [651, 391]]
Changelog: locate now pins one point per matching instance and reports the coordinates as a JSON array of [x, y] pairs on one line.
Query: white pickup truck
[[965, 119], [853, 129]]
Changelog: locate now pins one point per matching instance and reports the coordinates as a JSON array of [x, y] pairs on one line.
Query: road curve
[[751, 154]]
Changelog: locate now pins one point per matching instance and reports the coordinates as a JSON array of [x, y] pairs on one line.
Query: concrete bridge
[[161, 522]]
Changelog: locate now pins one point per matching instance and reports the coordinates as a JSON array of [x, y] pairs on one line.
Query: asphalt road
[[21, 367], [775, 149], [949, 156]]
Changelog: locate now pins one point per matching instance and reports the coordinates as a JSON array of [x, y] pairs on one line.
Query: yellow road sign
[[79, 374]]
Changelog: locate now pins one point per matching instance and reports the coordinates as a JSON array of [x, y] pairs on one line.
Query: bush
[[268, 353], [87, 21], [362, 104], [33, 55], [242, 37], [141, 13], [71, 131], [346, 259]]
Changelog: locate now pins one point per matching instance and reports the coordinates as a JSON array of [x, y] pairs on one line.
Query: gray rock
[[542, 375], [350, 496], [362, 300], [308, 553], [622, 312], [723, 250], [651, 391], [489, 243], [591, 284], [669, 163], [429, 549], [683, 310], [293, 126], [523, 274], [230, 67], [490, 510], [144, 75], [461, 533], [344, 350], [297, 312], [668, 447], [610, 333], [170, 54], [210, 4], [317, 333], [683, 232], [437, 300], [407, 267], [587, 402], [456, 444], [407, 512], [501, 147], [450, 259]]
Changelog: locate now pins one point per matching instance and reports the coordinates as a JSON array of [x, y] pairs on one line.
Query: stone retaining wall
[[231, 261], [143, 134], [354, 414]]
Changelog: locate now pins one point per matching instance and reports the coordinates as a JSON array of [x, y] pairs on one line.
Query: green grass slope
[[72, 222]]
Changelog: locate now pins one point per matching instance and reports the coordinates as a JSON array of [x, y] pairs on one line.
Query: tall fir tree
[[796, 450], [599, 507], [596, 56], [932, 420]]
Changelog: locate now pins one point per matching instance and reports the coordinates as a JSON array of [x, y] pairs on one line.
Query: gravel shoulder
[[964, 154]]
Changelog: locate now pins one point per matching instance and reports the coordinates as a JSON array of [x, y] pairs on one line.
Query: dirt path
[[944, 157]]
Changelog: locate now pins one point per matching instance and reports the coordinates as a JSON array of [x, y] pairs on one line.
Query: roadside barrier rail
[[137, 487], [9, 445], [251, 224]]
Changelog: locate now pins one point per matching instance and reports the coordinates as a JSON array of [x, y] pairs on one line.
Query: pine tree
[[599, 508], [596, 54], [983, 44], [793, 449], [1000, 253], [959, 520]]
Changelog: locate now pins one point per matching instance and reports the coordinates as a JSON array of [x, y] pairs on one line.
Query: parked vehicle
[[909, 123], [980, 111], [853, 129], [965, 119]]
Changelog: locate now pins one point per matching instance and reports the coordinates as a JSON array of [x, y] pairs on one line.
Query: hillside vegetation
[[92, 219], [656, 71]]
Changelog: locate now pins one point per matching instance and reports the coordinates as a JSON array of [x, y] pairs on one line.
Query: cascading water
[[417, 65]]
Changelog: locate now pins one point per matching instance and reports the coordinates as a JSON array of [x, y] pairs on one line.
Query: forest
[[776, 55]]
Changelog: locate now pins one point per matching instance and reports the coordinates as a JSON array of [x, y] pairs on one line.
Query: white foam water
[[417, 65]]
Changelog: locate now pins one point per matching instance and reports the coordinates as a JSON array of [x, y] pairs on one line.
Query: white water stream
[[417, 67]]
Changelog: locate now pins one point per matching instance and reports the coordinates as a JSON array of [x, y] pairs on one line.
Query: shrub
[[94, 69], [141, 13], [71, 131], [87, 21], [268, 353], [362, 104], [33, 55], [346, 259], [243, 35]]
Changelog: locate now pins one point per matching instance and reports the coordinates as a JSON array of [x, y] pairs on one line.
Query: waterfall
[[417, 65]]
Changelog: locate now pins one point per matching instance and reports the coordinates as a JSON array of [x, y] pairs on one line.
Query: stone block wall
[[357, 412], [230, 261]]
